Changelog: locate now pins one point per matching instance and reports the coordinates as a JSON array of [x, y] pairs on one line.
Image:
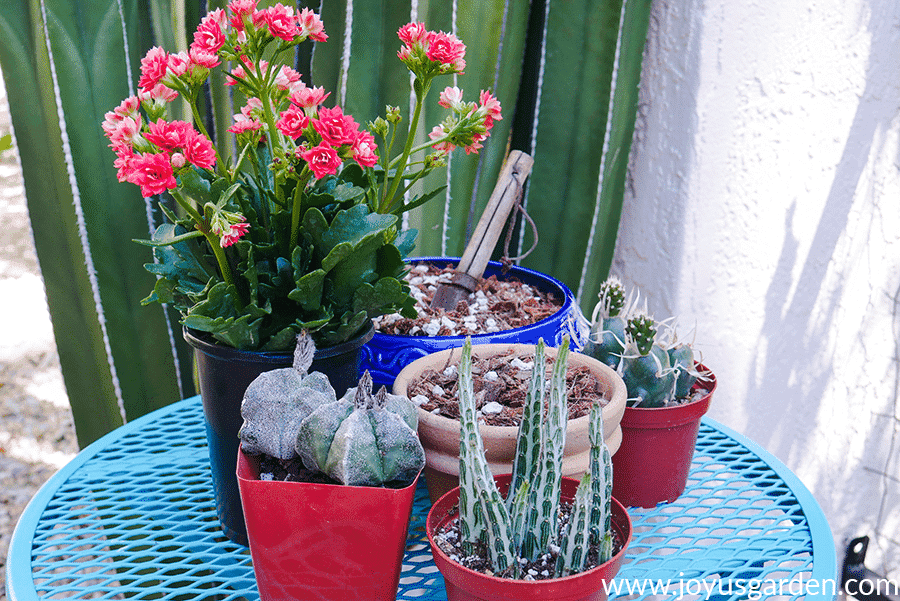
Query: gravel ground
[[37, 435]]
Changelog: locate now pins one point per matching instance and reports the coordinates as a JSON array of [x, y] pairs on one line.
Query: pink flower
[[364, 149], [158, 94], [153, 67], [322, 159], [242, 7], [152, 172], [286, 78], [178, 64], [236, 74], [475, 146], [311, 25], [437, 133], [491, 106], [335, 127], [124, 132], [281, 22], [242, 125], [292, 123], [128, 107], [451, 98], [124, 157], [413, 33], [253, 109], [199, 150], [233, 233], [169, 135], [209, 37], [445, 48], [204, 58], [309, 97]]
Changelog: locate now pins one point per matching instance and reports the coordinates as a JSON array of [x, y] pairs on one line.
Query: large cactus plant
[[71, 60], [525, 525]]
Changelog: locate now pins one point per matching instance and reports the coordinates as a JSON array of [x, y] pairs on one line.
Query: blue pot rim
[[515, 271]]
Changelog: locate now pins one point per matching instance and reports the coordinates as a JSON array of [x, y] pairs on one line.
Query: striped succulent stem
[[598, 474], [576, 538], [483, 513], [529, 441], [541, 524]]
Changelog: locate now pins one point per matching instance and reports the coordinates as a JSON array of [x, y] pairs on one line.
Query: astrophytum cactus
[[277, 401], [363, 439]]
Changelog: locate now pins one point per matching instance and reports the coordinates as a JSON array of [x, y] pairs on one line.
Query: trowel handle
[[509, 185]]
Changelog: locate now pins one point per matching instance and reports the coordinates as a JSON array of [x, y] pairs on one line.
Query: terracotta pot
[[653, 462], [463, 584], [440, 435], [386, 355], [224, 374], [324, 542]]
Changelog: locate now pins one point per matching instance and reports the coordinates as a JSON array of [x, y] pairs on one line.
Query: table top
[[134, 514]]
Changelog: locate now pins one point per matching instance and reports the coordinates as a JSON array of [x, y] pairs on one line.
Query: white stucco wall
[[764, 209]]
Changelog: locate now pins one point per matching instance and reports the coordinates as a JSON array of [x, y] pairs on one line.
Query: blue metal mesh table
[[132, 516]]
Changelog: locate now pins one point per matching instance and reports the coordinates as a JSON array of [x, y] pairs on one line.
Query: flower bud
[[393, 114]]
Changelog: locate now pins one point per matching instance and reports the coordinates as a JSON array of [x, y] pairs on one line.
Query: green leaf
[[308, 293], [385, 292]]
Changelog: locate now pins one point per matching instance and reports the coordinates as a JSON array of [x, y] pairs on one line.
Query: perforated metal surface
[[132, 517]]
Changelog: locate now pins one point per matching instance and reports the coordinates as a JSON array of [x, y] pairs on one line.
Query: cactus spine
[[525, 525]]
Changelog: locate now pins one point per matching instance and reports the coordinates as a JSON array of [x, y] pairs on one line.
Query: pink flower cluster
[[149, 155], [214, 37], [429, 49], [338, 135], [473, 125]]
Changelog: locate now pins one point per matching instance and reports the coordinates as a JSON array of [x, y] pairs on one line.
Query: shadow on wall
[[800, 320]]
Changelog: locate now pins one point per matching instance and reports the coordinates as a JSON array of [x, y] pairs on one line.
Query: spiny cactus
[[363, 439], [607, 338], [646, 367], [656, 367], [278, 400], [524, 526]]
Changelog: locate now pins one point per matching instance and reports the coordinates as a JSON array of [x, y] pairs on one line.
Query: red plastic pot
[[463, 584], [324, 542], [653, 461]]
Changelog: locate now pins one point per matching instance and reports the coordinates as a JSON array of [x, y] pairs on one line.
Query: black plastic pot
[[224, 374]]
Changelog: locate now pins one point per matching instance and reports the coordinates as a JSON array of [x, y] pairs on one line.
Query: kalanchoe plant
[[359, 440], [656, 368], [526, 524], [299, 231]]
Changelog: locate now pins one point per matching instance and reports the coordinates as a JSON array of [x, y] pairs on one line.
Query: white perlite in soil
[[496, 305]]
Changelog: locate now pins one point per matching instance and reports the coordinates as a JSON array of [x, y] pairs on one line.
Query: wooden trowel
[[478, 251]]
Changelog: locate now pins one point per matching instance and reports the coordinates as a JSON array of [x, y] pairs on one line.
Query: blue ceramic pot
[[385, 355]]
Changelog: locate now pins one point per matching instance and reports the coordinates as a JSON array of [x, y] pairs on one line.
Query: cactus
[[359, 440], [363, 439], [277, 401], [524, 525], [645, 367], [607, 337], [655, 366]]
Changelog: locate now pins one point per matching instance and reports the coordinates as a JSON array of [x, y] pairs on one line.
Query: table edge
[[824, 552], [19, 553]]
